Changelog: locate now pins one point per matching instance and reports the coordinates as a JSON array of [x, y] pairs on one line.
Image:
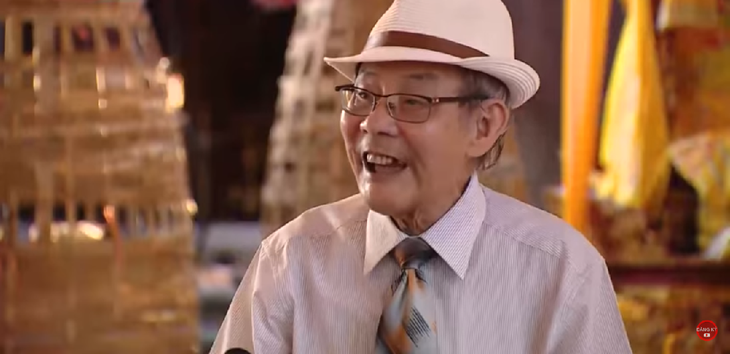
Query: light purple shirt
[[509, 278]]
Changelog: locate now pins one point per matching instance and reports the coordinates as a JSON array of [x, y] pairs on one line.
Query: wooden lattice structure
[[96, 236], [307, 163]]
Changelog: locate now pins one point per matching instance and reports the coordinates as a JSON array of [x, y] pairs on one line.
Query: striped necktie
[[408, 325]]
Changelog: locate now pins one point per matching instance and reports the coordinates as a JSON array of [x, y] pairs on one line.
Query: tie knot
[[412, 253]]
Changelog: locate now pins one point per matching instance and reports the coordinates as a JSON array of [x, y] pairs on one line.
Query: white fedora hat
[[473, 34]]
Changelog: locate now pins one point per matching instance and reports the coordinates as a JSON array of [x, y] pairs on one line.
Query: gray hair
[[480, 84]]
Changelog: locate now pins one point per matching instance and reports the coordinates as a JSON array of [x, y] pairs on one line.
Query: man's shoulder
[[320, 222], [543, 232]]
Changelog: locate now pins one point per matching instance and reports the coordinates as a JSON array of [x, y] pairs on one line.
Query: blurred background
[[147, 147]]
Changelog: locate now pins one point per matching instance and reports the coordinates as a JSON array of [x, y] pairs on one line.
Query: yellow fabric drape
[[585, 34], [635, 137]]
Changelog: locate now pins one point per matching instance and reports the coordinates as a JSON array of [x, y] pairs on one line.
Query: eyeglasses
[[400, 106]]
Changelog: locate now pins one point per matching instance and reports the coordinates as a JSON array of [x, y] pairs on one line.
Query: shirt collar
[[452, 236]]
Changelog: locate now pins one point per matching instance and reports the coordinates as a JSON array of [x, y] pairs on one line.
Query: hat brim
[[521, 80]]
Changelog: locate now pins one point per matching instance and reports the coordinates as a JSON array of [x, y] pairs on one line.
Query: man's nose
[[379, 121]]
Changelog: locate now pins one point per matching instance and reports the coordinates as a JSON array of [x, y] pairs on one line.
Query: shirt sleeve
[[259, 318], [590, 321]]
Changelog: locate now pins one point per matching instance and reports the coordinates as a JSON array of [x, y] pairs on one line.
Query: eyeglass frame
[[431, 101]]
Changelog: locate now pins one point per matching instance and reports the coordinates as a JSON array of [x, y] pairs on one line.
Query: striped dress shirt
[[507, 278]]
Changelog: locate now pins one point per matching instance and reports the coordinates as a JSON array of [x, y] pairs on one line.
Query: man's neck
[[428, 214]]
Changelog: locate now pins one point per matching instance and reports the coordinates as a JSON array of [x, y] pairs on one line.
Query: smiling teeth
[[379, 159]]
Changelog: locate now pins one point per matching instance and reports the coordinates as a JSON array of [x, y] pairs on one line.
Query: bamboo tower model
[[307, 161], [95, 229]]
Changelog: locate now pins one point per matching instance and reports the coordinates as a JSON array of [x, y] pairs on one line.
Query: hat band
[[422, 41]]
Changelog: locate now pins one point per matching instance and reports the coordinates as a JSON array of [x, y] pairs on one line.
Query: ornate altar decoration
[[96, 248], [666, 240], [664, 319], [696, 44]]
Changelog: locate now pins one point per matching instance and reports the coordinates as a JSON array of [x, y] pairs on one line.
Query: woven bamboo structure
[[95, 239], [307, 161]]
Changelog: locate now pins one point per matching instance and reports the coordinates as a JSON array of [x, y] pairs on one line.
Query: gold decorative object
[[664, 320], [704, 162], [96, 249], [695, 36], [719, 248]]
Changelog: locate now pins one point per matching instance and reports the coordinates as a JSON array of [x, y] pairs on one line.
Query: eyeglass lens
[[400, 106]]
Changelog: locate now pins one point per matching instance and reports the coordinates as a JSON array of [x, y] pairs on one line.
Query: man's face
[[401, 166]]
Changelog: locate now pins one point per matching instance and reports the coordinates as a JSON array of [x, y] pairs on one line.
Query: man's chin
[[386, 196], [384, 203]]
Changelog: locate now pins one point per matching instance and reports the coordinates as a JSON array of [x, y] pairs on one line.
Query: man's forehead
[[407, 70]]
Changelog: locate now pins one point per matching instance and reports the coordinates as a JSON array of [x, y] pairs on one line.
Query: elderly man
[[424, 259]]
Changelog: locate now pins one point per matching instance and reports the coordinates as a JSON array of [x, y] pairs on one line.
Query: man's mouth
[[381, 163]]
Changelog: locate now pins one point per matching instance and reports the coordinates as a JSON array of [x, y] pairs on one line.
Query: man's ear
[[491, 121]]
